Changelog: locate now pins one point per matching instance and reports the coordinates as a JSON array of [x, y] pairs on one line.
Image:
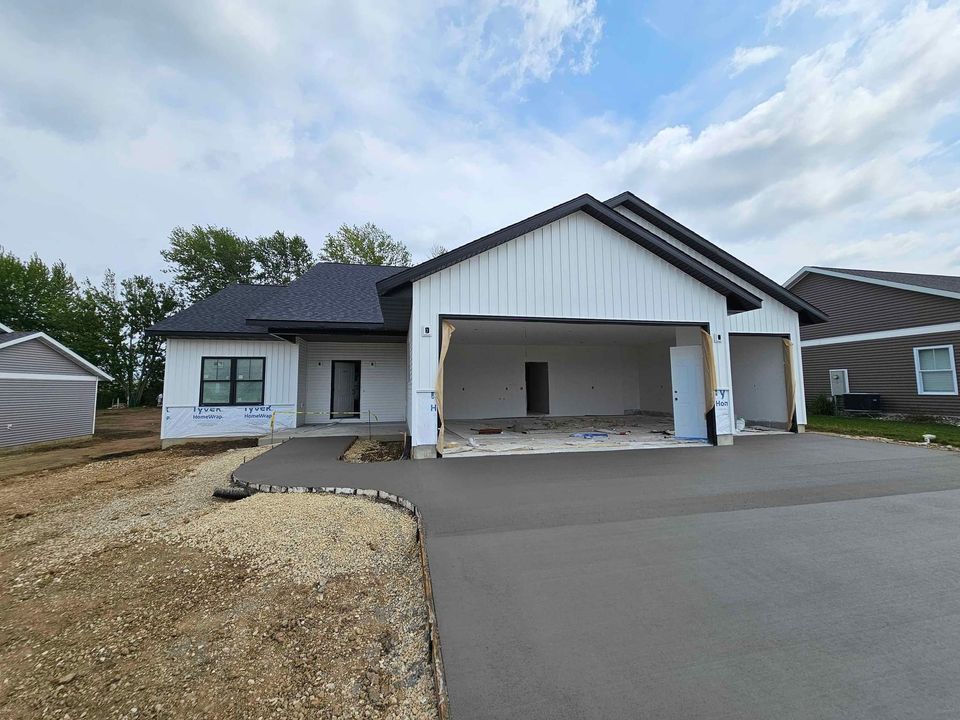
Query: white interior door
[[686, 374]]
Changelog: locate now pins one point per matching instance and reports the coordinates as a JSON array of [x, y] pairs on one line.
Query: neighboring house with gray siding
[[894, 334], [47, 391]]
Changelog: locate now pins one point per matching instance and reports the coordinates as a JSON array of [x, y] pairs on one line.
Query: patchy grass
[[366, 451], [909, 430], [119, 433]]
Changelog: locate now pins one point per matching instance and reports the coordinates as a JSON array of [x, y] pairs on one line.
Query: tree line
[[105, 322]]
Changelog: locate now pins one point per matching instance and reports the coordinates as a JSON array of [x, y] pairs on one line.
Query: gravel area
[[313, 536], [83, 526], [128, 592]]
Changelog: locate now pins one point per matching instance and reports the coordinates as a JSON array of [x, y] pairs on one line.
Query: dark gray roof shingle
[[328, 293], [7, 337], [223, 313], [949, 283]]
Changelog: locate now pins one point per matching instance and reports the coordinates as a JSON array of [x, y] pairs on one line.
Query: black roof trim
[[151, 332], [275, 326], [807, 312], [738, 298]]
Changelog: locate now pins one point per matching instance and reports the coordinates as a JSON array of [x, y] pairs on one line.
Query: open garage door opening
[[762, 377], [540, 386]]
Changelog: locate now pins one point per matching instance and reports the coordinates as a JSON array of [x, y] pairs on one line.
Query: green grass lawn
[[892, 429]]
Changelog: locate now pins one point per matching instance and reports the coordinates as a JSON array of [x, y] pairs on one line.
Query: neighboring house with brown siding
[[895, 334], [47, 391]]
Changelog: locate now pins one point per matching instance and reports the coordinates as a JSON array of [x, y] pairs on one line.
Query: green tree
[[207, 259], [60, 311], [88, 320], [364, 244], [34, 296], [105, 317], [24, 293], [281, 259], [145, 302]]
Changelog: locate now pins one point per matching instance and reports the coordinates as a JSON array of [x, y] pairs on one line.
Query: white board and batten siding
[[44, 396], [576, 268], [383, 379], [181, 384], [774, 318]]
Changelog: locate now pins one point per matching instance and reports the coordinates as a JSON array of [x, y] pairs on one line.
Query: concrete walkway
[[339, 429], [685, 583]]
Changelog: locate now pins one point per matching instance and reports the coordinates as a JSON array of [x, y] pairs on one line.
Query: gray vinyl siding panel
[[881, 366], [34, 356], [856, 307], [43, 410]]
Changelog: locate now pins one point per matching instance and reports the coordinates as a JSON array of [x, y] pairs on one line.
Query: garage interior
[[760, 366], [513, 386]]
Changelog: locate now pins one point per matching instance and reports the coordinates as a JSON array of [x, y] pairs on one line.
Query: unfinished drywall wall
[[488, 381], [759, 391], [629, 378], [484, 381], [653, 375], [583, 380]]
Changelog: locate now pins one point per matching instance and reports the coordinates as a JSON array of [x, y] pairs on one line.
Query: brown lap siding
[[881, 366], [856, 307]]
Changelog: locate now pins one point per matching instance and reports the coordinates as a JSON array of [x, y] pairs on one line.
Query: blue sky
[[789, 132]]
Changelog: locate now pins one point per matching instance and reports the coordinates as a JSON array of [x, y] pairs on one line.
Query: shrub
[[821, 405]]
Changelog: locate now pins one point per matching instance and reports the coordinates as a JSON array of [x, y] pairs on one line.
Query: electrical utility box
[[839, 383]]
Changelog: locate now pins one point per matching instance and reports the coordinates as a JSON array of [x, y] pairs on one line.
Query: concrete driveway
[[784, 577]]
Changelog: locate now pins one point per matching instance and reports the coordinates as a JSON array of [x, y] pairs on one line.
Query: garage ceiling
[[512, 332]]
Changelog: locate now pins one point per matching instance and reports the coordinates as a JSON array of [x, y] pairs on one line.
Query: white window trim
[[916, 367]]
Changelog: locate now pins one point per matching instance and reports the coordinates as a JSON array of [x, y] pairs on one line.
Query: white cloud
[[747, 57], [925, 203], [864, 9], [305, 118], [524, 41], [818, 164], [117, 125], [784, 10], [549, 30]]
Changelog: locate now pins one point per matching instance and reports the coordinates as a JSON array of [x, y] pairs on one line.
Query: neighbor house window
[[232, 381], [936, 372]]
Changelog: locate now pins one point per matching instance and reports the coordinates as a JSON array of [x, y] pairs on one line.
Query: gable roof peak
[[16, 338], [739, 299]]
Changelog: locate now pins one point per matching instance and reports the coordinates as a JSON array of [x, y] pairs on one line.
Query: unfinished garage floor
[[534, 435]]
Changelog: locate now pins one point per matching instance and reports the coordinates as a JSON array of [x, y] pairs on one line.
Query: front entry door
[[686, 373], [345, 390]]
